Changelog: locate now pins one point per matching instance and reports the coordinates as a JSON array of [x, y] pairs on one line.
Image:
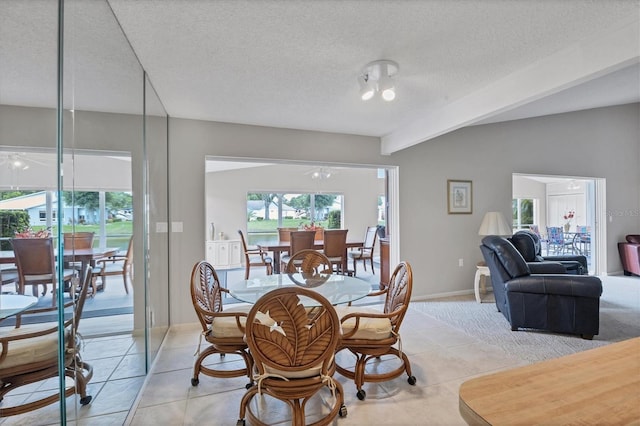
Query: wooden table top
[[600, 387]]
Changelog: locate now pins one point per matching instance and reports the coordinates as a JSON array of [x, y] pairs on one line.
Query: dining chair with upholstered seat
[[335, 248], [222, 330], [118, 264], [300, 240], [365, 252], [294, 360], [370, 334], [77, 240], [254, 256], [284, 234], [36, 264], [29, 355]]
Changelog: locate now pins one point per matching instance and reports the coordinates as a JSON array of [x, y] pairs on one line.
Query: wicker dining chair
[[223, 330], [30, 355], [370, 334], [309, 261], [294, 359]]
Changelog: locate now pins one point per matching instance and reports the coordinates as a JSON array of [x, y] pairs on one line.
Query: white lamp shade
[[494, 223]]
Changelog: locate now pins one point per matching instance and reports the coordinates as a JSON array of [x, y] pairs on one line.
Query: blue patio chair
[[556, 240], [584, 239]]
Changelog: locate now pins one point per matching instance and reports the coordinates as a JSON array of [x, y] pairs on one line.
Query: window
[[266, 212], [524, 213]]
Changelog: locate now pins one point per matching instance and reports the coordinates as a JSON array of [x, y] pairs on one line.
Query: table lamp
[[494, 223]]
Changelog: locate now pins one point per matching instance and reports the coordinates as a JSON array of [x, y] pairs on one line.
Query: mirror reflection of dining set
[[33, 262]]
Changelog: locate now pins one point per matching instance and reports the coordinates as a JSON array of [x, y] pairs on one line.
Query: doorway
[[574, 204]]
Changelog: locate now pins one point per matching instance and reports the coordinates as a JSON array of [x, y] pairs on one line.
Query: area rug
[[619, 320]]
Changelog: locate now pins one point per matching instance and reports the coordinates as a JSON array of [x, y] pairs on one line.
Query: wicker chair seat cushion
[[303, 374], [369, 328], [226, 327], [41, 349]]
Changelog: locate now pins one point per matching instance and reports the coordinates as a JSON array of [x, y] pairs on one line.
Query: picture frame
[[459, 196]]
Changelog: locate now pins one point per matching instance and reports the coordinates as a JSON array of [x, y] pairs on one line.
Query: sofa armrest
[[562, 285], [570, 258], [547, 268]]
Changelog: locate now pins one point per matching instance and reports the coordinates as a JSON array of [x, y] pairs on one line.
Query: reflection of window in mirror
[[102, 203]]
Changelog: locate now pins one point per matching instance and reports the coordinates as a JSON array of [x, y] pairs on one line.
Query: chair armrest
[[546, 268], [358, 316], [562, 285], [570, 258]]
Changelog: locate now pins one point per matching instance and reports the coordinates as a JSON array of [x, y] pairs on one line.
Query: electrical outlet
[[461, 262]]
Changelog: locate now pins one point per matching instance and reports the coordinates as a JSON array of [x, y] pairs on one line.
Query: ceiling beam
[[584, 61]]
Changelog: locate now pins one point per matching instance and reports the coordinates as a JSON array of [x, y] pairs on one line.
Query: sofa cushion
[[633, 239]]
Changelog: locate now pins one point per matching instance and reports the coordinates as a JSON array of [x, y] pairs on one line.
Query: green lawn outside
[[271, 226], [118, 233]]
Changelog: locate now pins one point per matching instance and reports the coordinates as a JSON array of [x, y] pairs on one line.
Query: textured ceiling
[[293, 64]]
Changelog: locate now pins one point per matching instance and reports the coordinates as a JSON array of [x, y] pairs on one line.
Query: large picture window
[[266, 212]]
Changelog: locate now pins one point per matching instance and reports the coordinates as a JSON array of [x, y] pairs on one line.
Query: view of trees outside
[[523, 213], [268, 211], [118, 217]]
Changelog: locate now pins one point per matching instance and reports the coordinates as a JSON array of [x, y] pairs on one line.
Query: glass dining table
[[13, 304], [337, 289]]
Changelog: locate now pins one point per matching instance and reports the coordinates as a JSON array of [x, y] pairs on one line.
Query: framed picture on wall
[[459, 196]]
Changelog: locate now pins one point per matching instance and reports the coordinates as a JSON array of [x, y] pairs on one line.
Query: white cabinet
[[224, 254]]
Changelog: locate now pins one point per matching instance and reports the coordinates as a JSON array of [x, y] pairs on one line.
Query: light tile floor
[[442, 358]]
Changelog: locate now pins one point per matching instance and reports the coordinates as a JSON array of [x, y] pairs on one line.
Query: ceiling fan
[[321, 173], [18, 161]]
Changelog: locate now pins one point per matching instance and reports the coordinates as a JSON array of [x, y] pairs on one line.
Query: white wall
[[601, 142], [192, 140], [226, 194], [605, 140], [524, 187], [604, 143]]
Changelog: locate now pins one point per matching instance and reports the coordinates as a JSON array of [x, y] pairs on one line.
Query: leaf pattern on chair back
[[399, 293], [309, 261], [205, 292], [297, 340]]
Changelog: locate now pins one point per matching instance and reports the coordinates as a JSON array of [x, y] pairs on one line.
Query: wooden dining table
[[280, 246], [598, 386]]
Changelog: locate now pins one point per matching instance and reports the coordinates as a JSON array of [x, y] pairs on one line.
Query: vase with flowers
[[567, 217]]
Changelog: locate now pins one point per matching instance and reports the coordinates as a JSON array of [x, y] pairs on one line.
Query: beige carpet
[[619, 320]]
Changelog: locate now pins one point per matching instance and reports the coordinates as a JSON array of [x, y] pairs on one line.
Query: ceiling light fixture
[[376, 79], [322, 174]]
